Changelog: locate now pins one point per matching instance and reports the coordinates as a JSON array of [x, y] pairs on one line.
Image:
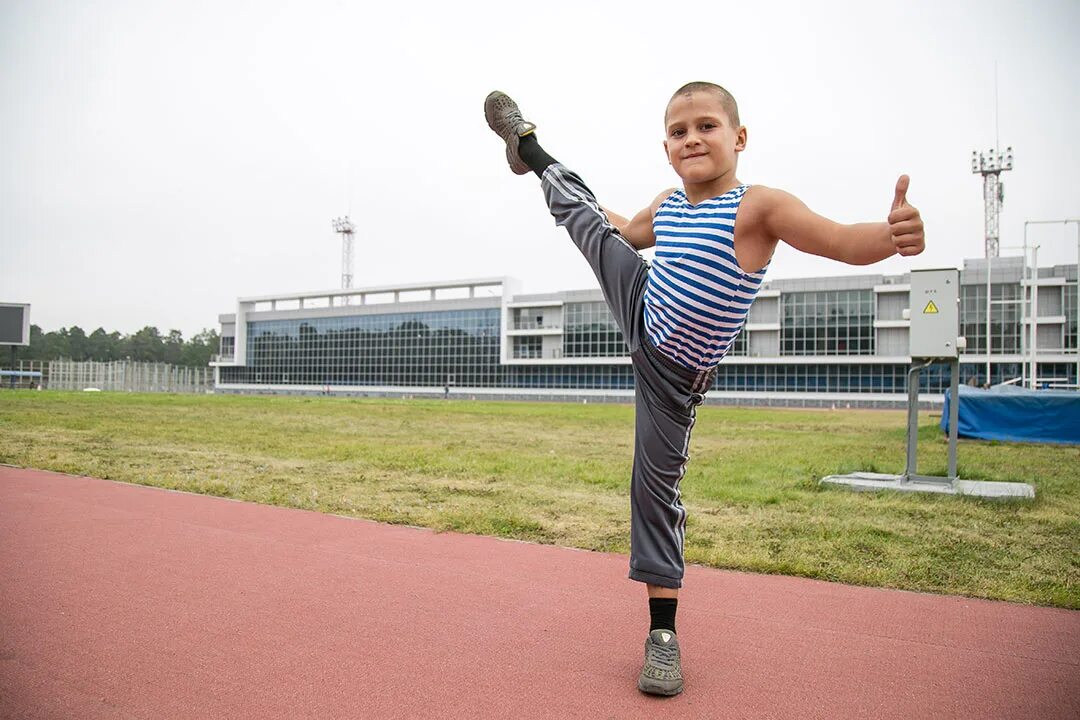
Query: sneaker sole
[[516, 163], [659, 687]]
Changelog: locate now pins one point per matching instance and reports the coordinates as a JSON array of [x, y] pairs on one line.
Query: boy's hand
[[905, 223]]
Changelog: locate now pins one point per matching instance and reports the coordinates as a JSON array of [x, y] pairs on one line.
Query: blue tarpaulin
[[1016, 414]]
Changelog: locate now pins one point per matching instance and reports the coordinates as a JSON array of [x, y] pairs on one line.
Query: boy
[[680, 316]]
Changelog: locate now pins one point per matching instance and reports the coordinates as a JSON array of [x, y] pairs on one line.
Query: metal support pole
[[1034, 338], [989, 260], [954, 415], [1024, 289], [913, 421]]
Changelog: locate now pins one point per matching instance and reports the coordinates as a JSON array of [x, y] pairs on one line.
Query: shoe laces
[[514, 120], [665, 657]]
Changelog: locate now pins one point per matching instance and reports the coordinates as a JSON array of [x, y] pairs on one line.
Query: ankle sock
[[533, 155], [662, 613]]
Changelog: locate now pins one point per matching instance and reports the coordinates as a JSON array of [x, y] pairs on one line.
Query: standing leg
[[666, 399], [657, 516]]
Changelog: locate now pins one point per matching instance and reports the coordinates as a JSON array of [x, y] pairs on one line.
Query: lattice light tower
[[990, 165], [345, 227]]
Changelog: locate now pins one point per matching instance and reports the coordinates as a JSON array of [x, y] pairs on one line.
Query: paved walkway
[[120, 601]]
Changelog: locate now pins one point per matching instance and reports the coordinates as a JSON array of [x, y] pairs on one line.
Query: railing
[[552, 354], [534, 326]]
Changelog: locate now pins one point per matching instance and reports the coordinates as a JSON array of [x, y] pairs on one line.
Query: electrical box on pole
[[935, 314]]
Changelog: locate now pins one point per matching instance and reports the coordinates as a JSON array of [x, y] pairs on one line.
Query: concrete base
[[866, 481]]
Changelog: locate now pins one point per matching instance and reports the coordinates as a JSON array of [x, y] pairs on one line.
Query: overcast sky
[[159, 160]]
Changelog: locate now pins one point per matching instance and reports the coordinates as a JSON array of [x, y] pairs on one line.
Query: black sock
[[533, 155], [662, 612]]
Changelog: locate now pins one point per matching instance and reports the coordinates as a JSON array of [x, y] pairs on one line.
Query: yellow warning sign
[[930, 309]]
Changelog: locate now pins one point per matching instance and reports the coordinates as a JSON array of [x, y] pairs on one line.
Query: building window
[[1069, 299], [398, 349], [532, 319], [1005, 314], [861, 378], [1057, 375], [527, 347], [590, 331], [830, 322], [741, 345]]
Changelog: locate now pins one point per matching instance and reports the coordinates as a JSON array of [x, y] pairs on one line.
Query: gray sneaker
[[662, 674], [504, 117]]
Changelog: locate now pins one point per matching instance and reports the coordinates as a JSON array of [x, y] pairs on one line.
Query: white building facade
[[806, 342]]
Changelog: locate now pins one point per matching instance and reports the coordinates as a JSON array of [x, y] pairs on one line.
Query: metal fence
[[128, 376]]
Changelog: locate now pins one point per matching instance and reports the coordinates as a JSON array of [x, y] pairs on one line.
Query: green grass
[[558, 473]]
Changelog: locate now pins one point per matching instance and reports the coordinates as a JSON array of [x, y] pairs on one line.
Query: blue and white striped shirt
[[697, 296]]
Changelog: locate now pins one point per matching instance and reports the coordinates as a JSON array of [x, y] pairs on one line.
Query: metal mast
[[345, 227], [990, 165]]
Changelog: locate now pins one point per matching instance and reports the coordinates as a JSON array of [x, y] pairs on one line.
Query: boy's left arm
[[784, 216]]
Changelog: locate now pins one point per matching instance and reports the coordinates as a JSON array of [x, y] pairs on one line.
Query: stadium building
[[810, 341]]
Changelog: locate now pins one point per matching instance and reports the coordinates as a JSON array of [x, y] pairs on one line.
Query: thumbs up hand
[[905, 223]]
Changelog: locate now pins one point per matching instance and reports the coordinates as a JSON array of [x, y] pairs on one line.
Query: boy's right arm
[[638, 230]]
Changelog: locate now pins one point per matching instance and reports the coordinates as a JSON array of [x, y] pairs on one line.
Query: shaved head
[[727, 101]]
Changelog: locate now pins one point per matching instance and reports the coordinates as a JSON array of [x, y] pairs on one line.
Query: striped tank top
[[697, 296]]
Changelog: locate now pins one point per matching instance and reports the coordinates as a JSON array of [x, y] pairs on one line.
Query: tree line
[[146, 345]]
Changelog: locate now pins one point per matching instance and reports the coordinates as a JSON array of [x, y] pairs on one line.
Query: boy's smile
[[701, 143]]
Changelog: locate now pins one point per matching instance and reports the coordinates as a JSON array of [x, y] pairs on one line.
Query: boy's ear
[[740, 139]]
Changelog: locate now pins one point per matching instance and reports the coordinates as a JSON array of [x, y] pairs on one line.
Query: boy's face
[[701, 143]]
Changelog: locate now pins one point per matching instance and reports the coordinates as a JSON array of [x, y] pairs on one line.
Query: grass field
[[558, 473]]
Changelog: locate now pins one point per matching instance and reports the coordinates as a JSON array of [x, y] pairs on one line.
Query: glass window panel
[[832, 322]]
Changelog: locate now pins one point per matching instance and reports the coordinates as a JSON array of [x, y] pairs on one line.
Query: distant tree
[[78, 345], [173, 347], [105, 347], [55, 345], [198, 351], [98, 345], [146, 345]]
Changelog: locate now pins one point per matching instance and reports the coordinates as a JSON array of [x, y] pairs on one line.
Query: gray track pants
[[665, 394]]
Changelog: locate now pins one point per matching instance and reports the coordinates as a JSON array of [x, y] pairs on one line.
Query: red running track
[[121, 601]]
